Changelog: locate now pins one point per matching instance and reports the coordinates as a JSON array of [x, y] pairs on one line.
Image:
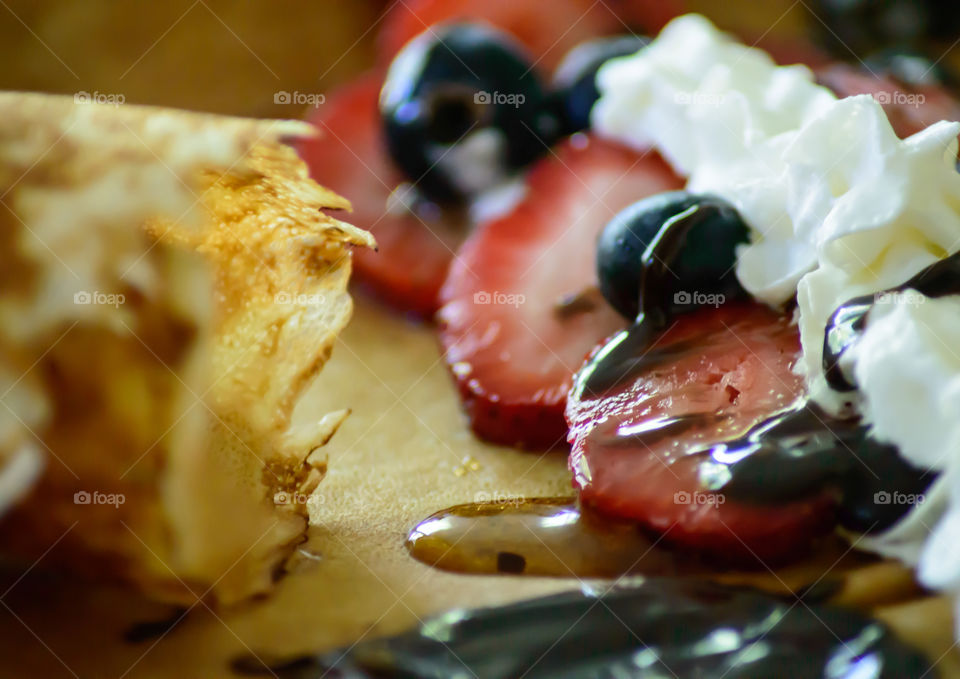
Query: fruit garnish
[[415, 245], [505, 333], [549, 33], [670, 251], [574, 81], [911, 104], [711, 376], [860, 26], [463, 109]]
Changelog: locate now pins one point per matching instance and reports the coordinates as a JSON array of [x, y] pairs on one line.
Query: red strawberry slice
[[511, 350], [350, 157], [787, 50], [710, 377], [548, 31], [909, 108]]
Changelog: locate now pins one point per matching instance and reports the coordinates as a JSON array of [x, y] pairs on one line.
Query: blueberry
[[865, 25], [462, 110], [910, 68], [670, 252], [574, 81]]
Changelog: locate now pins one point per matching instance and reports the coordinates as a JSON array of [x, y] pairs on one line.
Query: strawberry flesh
[[909, 108], [512, 349], [638, 446]]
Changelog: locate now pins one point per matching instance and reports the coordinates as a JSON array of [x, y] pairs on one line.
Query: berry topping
[[640, 446], [911, 100], [548, 33], [574, 81], [670, 252], [519, 315], [463, 109], [415, 242], [860, 26]]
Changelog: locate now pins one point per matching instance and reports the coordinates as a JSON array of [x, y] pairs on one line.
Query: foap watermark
[[898, 98], [902, 297], [293, 497], [698, 99], [315, 99], [85, 497], [95, 298], [684, 497], [496, 497], [514, 99], [96, 97], [301, 299], [884, 497], [696, 298], [484, 297]]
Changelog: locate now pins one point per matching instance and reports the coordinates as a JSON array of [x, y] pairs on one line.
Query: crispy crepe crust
[[170, 287]]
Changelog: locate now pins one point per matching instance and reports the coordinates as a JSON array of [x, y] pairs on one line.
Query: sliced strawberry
[[909, 108], [787, 50], [720, 371], [548, 32], [350, 157], [512, 352]]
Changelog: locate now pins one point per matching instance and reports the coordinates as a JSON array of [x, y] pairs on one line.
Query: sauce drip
[[629, 353], [848, 321], [801, 450], [673, 627], [541, 536]]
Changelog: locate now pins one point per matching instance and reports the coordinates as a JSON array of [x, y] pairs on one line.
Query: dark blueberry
[[862, 26], [463, 109], [574, 81], [909, 67], [669, 253]]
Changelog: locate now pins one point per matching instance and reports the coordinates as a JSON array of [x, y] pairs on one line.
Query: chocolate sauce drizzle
[[802, 450], [848, 322], [658, 627]]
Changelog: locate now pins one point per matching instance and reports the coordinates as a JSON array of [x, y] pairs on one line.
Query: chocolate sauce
[[798, 452], [659, 627], [647, 264], [843, 330], [848, 321], [801, 451], [627, 354], [541, 536]]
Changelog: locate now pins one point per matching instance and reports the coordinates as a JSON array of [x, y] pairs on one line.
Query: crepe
[[170, 287], [399, 457]]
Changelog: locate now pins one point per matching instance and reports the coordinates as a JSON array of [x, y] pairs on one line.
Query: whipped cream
[[838, 207]]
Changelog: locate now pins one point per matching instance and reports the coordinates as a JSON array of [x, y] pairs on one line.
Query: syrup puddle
[[541, 536]]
